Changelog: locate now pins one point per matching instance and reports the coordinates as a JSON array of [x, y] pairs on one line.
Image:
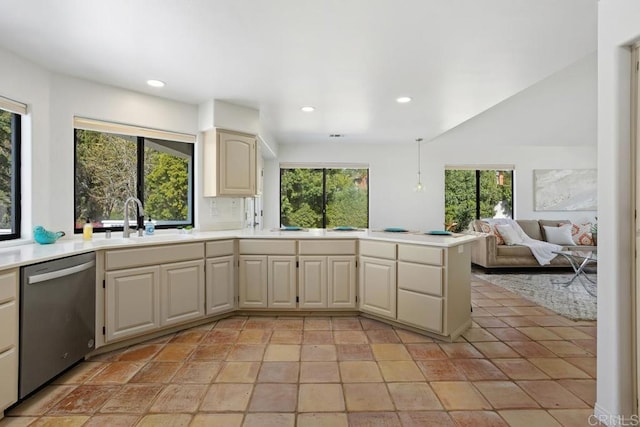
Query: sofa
[[490, 252]]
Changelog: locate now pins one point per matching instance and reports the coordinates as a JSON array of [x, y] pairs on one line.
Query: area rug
[[548, 291]]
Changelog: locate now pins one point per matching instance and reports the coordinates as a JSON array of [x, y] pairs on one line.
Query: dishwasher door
[[57, 318]]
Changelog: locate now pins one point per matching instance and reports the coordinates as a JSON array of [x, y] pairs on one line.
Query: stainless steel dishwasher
[[57, 318]]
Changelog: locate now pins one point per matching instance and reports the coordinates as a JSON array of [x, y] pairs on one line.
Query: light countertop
[[31, 253]]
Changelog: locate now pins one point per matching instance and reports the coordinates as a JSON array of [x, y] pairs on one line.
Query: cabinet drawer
[[127, 258], [422, 278], [267, 247], [9, 322], [421, 254], [8, 285], [9, 375], [219, 248], [327, 247], [420, 310], [378, 249]]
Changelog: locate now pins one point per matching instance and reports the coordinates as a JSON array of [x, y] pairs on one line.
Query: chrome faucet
[[125, 229]]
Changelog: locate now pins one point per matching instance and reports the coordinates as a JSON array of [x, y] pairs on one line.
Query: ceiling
[[350, 59]]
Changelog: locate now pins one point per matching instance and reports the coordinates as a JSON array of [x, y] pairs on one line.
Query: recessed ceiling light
[[336, 135], [155, 83], [403, 99], [308, 109]]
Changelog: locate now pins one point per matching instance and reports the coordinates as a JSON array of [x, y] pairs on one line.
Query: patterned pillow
[[581, 234], [491, 229]]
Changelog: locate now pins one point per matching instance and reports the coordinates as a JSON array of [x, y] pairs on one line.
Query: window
[[477, 193], [110, 167], [324, 198], [10, 120]]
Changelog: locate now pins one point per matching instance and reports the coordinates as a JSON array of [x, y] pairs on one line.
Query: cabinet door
[[378, 286], [252, 281], [9, 373], [182, 292], [341, 281], [132, 302], [236, 164], [312, 281], [220, 285], [282, 282]]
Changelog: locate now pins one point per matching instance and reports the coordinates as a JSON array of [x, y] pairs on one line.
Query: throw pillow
[[581, 234], [509, 234], [491, 229], [559, 235]]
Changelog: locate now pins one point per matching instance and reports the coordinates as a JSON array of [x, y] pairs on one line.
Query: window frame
[[16, 170]]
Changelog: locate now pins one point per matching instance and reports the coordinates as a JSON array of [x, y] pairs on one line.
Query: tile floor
[[519, 365]]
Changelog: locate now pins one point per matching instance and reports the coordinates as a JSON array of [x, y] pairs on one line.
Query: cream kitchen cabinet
[[8, 338], [378, 278], [252, 281], [149, 288], [229, 164], [281, 283], [220, 277]]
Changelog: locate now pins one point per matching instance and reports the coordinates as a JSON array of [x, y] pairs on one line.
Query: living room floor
[[519, 365]]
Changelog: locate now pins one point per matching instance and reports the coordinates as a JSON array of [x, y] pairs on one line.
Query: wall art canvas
[[565, 189]]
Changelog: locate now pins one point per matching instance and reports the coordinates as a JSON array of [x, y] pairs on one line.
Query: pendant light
[[419, 187]]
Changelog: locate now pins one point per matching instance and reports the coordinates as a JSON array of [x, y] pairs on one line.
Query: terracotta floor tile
[[557, 368], [319, 372], [246, 353], [528, 418], [480, 312], [9, 421], [382, 336], [320, 324], [165, 420], [486, 302], [260, 323], [590, 345], [112, 420], [584, 389], [317, 337], [254, 336], [115, 373], [290, 324], [329, 419], [569, 333], [197, 372], [477, 335], [551, 395], [458, 395], [589, 330], [400, 370], [226, 398], [286, 336], [217, 420], [502, 311], [530, 349], [520, 369], [460, 350], [84, 399], [425, 351], [179, 398], [320, 398], [350, 337], [221, 336], [478, 419], [318, 353], [360, 372], [66, 421], [174, 353], [575, 417], [409, 337], [440, 370], [495, 350], [367, 419], [516, 321], [490, 322], [41, 402], [189, 336], [554, 320], [426, 418], [274, 398], [345, 324], [414, 396], [132, 399], [269, 420], [479, 369], [372, 324], [505, 395], [238, 372], [587, 364], [234, 323], [279, 372], [282, 353], [390, 352], [211, 352], [367, 397], [531, 311], [565, 348], [516, 302], [538, 333], [156, 372], [80, 373], [354, 352], [140, 353]]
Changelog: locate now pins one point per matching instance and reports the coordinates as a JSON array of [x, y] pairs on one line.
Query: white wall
[[548, 126], [618, 27]]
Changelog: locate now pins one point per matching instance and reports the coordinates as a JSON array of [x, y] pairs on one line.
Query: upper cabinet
[[230, 160]]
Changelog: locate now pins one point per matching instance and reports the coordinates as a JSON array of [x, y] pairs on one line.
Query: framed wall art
[[565, 189]]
